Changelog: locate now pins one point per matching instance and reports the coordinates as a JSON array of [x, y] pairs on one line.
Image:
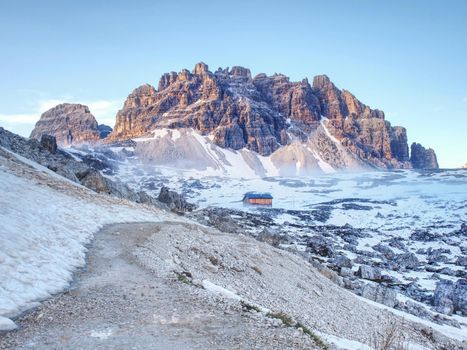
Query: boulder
[[423, 236], [346, 272], [384, 250], [397, 243], [174, 200], [416, 309], [271, 237], [406, 261], [49, 142], [341, 261], [96, 182], [461, 261], [369, 273], [450, 297], [379, 293], [320, 246], [437, 255]]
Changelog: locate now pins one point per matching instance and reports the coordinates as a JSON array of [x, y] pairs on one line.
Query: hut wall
[[261, 201]]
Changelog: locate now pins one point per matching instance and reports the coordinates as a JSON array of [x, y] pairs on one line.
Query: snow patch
[[214, 288], [343, 343], [44, 232], [102, 335], [325, 167], [323, 122], [6, 324], [448, 331]]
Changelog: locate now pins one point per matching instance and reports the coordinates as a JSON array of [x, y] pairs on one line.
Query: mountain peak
[[201, 68], [423, 158], [321, 81], [70, 123], [240, 72], [262, 114]]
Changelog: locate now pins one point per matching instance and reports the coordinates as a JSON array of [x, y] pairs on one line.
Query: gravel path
[[115, 303], [156, 285]]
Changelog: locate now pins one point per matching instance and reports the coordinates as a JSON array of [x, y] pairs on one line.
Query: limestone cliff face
[[71, 124], [262, 113], [225, 103], [422, 158], [361, 129]]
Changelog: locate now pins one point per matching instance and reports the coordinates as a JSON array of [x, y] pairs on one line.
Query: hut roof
[[250, 195]]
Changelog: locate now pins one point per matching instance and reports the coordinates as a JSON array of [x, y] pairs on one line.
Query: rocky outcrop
[[104, 130], [86, 171], [406, 261], [50, 143], [422, 158], [369, 273], [378, 293], [71, 124], [450, 297], [175, 201], [328, 252], [262, 113]]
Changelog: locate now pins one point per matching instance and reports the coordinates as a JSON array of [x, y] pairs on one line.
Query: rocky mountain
[[422, 158], [265, 114], [71, 124]]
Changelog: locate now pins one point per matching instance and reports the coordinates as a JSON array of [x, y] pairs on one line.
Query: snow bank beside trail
[[43, 233], [214, 288], [343, 343], [347, 344], [6, 324], [449, 331]]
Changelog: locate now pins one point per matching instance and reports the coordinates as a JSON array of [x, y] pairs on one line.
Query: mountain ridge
[[265, 114], [262, 113]]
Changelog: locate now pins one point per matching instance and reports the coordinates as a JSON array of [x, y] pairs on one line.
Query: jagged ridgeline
[[270, 115]]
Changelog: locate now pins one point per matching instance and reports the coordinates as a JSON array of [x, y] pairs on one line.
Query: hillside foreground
[[166, 284]]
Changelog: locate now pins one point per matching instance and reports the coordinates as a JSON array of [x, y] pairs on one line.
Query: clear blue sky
[[408, 58]]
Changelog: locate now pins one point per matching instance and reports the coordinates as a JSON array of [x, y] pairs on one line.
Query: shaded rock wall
[[422, 158]]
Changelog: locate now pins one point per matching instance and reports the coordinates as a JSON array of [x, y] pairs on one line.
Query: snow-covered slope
[[373, 218], [186, 149], [45, 223]]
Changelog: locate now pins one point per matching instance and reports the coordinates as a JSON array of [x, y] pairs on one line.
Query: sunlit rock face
[[71, 124], [262, 114]]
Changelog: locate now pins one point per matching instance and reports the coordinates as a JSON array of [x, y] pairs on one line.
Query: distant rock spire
[[70, 123], [422, 158], [200, 68]]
